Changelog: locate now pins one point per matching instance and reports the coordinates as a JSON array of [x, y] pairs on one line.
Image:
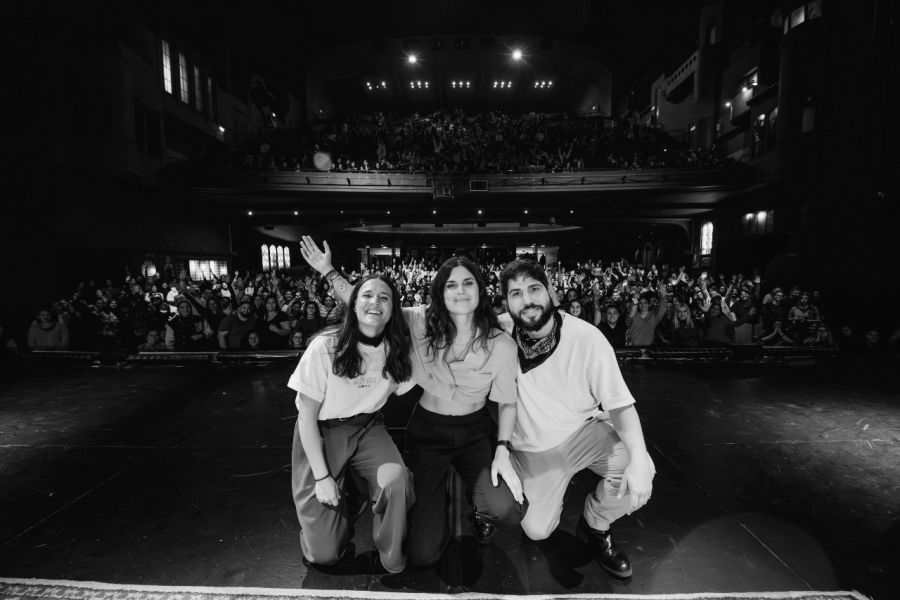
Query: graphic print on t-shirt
[[364, 382]]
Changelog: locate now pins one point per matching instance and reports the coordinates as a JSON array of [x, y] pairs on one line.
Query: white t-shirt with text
[[340, 396]]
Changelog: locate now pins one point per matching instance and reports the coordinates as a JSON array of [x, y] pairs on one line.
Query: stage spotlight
[[296, 213], [517, 54], [412, 58], [249, 213]]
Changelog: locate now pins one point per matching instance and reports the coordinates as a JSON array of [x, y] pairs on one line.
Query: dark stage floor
[[771, 477]]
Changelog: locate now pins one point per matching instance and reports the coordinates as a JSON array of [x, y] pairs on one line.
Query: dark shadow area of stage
[[770, 477]]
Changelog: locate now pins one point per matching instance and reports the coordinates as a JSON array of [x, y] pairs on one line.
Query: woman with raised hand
[[343, 379], [461, 358]]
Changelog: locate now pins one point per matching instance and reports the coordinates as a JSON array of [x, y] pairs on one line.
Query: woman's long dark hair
[[440, 328], [347, 360]]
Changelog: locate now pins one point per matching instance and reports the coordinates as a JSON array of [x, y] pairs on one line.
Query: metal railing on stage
[[736, 353], [163, 358]]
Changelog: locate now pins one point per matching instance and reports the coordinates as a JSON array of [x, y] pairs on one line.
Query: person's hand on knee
[[327, 492]]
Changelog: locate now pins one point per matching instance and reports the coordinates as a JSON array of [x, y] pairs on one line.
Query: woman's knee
[[394, 477], [498, 503], [422, 552]]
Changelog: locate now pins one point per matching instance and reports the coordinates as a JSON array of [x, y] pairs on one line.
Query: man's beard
[[542, 319]]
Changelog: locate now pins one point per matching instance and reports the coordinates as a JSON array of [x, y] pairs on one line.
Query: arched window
[[265, 258], [280, 257], [706, 238], [273, 257], [287, 257], [148, 269]]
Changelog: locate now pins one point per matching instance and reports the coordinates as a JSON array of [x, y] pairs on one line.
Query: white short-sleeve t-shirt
[[340, 396], [578, 381]]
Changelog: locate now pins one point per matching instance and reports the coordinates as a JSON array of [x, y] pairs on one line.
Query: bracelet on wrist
[[505, 443], [323, 478], [332, 275]]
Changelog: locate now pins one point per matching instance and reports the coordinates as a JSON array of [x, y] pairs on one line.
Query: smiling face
[[575, 309], [461, 291], [529, 303], [374, 304], [612, 315]]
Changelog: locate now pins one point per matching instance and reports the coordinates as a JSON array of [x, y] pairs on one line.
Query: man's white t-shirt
[[340, 396], [578, 381]]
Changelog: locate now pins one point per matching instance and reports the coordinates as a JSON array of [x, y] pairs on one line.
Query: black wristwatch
[[505, 443]]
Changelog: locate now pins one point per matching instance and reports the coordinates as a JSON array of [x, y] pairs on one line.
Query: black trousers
[[434, 442]]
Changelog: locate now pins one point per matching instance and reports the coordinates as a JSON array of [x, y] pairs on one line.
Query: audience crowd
[[449, 141], [633, 305]]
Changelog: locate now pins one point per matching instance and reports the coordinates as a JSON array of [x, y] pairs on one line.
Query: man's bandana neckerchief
[[533, 353]]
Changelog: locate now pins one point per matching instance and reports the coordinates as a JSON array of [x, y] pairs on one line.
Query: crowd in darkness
[[449, 141], [633, 305]]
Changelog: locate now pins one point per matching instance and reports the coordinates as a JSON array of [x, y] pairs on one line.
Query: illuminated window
[[813, 10], [198, 96], [706, 238], [801, 14], [167, 67], [798, 16], [759, 223], [209, 98], [204, 269], [148, 269], [275, 257], [183, 78]]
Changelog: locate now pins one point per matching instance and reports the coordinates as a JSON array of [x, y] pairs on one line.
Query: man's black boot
[[610, 558], [483, 529]]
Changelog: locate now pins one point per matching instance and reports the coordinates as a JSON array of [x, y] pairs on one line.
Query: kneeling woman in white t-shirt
[[342, 381]]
